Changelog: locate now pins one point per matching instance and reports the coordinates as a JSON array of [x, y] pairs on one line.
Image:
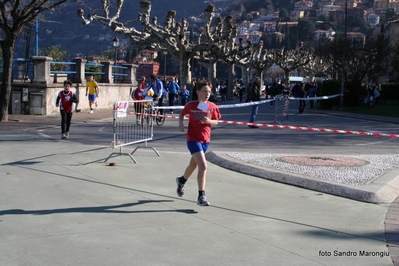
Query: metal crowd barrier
[[282, 105], [282, 108], [133, 123]]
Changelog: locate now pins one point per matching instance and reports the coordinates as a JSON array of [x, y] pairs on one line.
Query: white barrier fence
[[133, 123]]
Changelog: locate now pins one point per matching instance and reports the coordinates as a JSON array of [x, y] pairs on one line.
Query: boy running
[[202, 116]]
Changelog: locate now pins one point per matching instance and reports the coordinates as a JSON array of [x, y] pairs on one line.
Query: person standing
[[273, 93], [254, 96], [138, 96], [312, 93], [157, 86], [241, 90], [173, 89], [203, 115], [194, 95], [250, 83], [92, 90], [370, 95], [143, 83], [302, 94], [184, 94], [223, 90], [65, 100]]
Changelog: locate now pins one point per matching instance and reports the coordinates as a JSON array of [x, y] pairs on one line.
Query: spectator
[[173, 89], [194, 96], [312, 93], [241, 90], [223, 90], [250, 83], [137, 96], [184, 94], [254, 96], [273, 93], [157, 86]]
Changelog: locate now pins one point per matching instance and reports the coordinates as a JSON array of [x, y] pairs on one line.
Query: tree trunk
[[287, 77], [245, 76], [185, 74], [5, 92], [212, 75], [259, 73], [230, 84]]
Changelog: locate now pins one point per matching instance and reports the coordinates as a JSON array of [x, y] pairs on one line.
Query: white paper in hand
[[203, 106]]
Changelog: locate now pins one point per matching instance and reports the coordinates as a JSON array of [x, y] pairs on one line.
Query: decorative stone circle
[[318, 160]]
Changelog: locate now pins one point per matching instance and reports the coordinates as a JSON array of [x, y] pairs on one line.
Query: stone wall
[[38, 96], [46, 95]]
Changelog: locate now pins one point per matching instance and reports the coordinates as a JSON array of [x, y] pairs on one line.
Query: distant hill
[[64, 29]]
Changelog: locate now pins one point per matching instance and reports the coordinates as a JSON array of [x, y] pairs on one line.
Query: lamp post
[[335, 39], [164, 65], [345, 36], [333, 34], [115, 43]]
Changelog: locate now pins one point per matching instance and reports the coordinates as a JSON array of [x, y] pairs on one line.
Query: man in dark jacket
[[254, 96]]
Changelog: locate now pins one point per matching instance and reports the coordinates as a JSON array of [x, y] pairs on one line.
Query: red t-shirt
[[66, 103], [138, 94], [197, 131]]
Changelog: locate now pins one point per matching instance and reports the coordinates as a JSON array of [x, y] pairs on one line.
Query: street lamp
[[164, 65], [115, 43]]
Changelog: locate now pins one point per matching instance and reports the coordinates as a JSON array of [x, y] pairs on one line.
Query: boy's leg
[[181, 180], [199, 158], [63, 121], [190, 168], [68, 121]]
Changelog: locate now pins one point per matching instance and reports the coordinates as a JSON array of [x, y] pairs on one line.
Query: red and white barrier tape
[[327, 130], [351, 132], [254, 103], [339, 131]]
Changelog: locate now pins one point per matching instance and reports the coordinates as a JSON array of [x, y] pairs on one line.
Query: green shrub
[[330, 87], [390, 92]]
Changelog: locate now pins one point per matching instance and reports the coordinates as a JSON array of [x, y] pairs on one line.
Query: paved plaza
[[61, 204]]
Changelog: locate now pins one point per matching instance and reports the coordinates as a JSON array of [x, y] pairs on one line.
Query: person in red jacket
[[65, 100], [138, 96]]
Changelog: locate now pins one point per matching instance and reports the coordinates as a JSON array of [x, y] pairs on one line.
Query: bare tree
[[218, 41], [317, 65], [169, 37], [222, 45], [14, 15], [261, 60], [289, 60], [354, 61]]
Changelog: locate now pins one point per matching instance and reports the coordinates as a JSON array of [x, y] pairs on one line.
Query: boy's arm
[[207, 120], [87, 89], [181, 124], [97, 89]]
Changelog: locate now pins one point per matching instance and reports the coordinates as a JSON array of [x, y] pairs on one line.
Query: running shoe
[[202, 201], [180, 187]]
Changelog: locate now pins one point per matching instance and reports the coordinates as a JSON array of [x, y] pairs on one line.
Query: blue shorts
[[92, 97], [195, 146]]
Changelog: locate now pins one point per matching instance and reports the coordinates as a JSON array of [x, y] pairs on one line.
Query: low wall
[[46, 96]]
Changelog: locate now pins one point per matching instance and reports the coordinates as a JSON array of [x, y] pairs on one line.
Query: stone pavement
[[77, 210]]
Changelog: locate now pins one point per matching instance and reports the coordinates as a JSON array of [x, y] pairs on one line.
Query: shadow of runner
[[98, 209]]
